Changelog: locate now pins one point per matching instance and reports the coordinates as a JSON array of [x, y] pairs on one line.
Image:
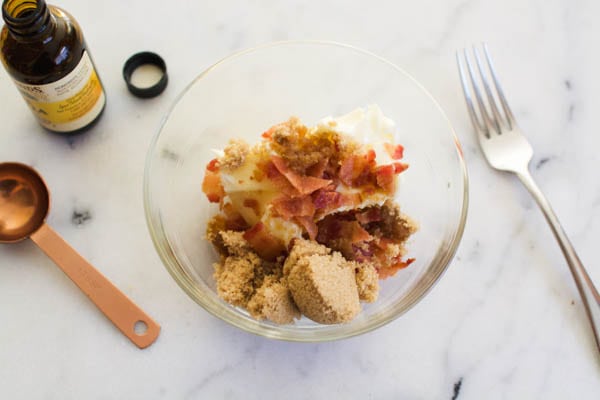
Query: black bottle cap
[[145, 58]]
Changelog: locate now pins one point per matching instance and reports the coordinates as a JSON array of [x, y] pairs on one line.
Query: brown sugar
[[234, 154], [301, 249], [245, 280], [235, 278], [274, 302], [367, 282], [324, 288]]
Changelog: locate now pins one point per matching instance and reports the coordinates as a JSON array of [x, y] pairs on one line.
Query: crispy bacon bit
[[211, 186], [349, 199], [358, 170], [400, 167], [266, 245], [396, 152], [304, 184], [309, 225], [280, 181], [385, 177], [368, 216], [213, 165], [326, 199], [387, 271], [289, 207], [332, 228]]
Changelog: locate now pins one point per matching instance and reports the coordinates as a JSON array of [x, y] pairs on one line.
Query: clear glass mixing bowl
[[246, 93]]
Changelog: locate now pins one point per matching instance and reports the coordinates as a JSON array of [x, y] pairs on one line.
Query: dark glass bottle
[[43, 50]]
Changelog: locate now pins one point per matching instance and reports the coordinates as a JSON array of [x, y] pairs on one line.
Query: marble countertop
[[504, 322]]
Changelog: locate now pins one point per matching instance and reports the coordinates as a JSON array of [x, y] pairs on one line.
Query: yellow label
[[69, 103]]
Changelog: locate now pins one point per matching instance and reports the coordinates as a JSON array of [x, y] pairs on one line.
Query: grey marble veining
[[504, 322]]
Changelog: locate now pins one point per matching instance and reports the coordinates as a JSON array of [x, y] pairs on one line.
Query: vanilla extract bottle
[[43, 49]]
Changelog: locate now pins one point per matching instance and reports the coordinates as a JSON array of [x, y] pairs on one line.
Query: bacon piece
[[304, 184], [400, 167], [326, 199], [396, 152], [263, 242], [213, 165], [356, 232], [211, 186], [385, 177], [358, 170], [280, 181], [350, 199], [368, 216], [289, 207], [387, 271], [309, 225], [334, 228]]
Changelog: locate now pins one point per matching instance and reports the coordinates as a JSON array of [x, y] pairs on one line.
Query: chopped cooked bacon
[[396, 152], [358, 170], [309, 225], [349, 199], [399, 167], [304, 184], [211, 186], [347, 171], [387, 271], [385, 177], [368, 216], [263, 242], [213, 165], [289, 207], [332, 228], [280, 181], [326, 199], [357, 232]]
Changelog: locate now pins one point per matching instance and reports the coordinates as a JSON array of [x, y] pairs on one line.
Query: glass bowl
[[243, 95]]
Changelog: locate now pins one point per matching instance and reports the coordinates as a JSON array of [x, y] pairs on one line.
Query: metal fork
[[506, 149]]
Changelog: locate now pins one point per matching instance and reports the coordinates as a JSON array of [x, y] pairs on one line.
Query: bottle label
[[70, 103]]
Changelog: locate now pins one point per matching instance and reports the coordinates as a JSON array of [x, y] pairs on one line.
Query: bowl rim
[[168, 259]]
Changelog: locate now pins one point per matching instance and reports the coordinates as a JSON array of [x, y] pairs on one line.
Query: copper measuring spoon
[[24, 205]]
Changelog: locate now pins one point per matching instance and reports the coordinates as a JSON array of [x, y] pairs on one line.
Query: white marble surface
[[505, 321]]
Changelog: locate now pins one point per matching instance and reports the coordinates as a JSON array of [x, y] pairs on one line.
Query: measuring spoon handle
[[123, 312]]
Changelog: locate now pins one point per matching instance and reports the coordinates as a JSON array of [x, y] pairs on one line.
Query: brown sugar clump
[[235, 243], [245, 280], [235, 277], [395, 224], [324, 288], [303, 248], [367, 281], [234, 154], [273, 301]]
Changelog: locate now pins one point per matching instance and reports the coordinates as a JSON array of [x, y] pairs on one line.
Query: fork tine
[[509, 115], [468, 99], [497, 118], [484, 113]]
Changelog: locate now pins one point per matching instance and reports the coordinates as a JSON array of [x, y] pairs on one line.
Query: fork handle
[[587, 290]]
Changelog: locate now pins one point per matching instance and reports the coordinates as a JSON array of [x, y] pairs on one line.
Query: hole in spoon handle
[[131, 320]]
